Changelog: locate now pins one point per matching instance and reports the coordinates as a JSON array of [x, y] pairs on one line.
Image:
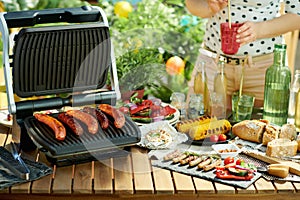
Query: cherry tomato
[[239, 161], [222, 137], [214, 138], [228, 160], [124, 109]]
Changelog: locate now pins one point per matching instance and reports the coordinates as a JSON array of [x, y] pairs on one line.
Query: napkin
[[8, 178]]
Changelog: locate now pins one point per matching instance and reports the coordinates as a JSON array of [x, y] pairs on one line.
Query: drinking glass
[[242, 106], [228, 38]]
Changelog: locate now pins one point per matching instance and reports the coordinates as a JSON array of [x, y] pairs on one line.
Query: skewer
[[229, 14]]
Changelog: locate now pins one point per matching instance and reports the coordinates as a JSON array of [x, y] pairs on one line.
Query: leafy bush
[[153, 32]]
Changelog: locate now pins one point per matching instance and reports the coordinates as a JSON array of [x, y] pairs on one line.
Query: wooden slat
[[183, 183], [284, 187], [42, 185], [103, 177], [123, 175], [250, 190], [62, 180], [3, 137], [163, 181], [83, 178], [141, 172], [264, 186], [204, 186], [224, 189], [8, 139], [297, 186]]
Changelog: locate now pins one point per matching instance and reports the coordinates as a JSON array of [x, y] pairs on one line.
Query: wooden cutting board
[[294, 167]]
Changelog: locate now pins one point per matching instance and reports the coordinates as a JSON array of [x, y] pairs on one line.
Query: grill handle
[[26, 108], [71, 15]]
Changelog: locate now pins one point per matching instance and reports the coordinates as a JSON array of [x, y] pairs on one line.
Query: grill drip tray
[[77, 149]]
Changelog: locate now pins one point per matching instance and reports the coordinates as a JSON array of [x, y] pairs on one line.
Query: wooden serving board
[[294, 167]]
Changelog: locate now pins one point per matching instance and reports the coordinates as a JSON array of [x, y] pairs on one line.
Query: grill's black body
[[73, 58]]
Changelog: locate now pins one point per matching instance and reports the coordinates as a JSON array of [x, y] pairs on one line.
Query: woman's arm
[[251, 31], [205, 8]]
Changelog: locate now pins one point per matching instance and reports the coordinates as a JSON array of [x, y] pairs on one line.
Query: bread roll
[[281, 147], [271, 133], [251, 130], [288, 131], [298, 141]]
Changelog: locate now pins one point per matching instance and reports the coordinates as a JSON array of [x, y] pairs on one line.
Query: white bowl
[[231, 150]]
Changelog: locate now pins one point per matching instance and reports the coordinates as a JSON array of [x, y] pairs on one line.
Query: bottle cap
[[280, 46]]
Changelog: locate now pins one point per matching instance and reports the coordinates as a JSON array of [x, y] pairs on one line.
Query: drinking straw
[[242, 77], [229, 14]]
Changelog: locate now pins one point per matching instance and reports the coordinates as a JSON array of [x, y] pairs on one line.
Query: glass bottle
[[220, 86], [200, 85], [297, 110], [277, 88], [293, 95]]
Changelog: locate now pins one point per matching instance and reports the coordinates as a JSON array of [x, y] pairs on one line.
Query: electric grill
[[63, 52]]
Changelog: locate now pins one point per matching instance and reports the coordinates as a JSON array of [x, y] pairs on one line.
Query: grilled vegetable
[[185, 125], [238, 172], [206, 130]]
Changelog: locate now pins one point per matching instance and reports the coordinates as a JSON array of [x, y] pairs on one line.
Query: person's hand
[[247, 33], [217, 5]]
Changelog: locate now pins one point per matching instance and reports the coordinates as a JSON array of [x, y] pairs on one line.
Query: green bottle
[[277, 88]]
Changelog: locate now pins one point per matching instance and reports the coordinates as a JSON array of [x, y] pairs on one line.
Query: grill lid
[[61, 59], [110, 138]]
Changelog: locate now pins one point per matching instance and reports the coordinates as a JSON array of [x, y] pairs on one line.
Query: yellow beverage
[[200, 86], [297, 110], [220, 84]]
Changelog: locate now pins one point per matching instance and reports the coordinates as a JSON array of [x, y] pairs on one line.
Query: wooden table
[[133, 177]]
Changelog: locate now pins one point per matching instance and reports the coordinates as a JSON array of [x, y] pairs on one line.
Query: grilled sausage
[[118, 116], [204, 163], [197, 161], [180, 157], [212, 165], [102, 118], [57, 127], [171, 155], [188, 159], [71, 122], [90, 121]]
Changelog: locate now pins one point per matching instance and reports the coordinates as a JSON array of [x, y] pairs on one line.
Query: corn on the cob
[[206, 130], [184, 126]]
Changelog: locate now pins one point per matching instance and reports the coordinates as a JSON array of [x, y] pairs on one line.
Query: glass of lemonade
[[242, 106]]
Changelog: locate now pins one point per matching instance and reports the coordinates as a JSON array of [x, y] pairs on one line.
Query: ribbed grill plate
[[61, 59], [110, 138]]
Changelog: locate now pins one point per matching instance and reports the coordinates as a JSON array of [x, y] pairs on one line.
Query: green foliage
[[153, 32]]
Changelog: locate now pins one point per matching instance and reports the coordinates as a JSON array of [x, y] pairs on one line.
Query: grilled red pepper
[[225, 174], [141, 106]]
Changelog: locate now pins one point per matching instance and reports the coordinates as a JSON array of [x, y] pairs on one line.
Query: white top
[[248, 10]]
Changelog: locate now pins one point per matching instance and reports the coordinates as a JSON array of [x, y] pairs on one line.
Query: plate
[[172, 121], [233, 150], [3, 118], [207, 142], [175, 137]]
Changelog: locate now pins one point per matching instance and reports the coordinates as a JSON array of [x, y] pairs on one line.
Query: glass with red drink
[[228, 38]]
